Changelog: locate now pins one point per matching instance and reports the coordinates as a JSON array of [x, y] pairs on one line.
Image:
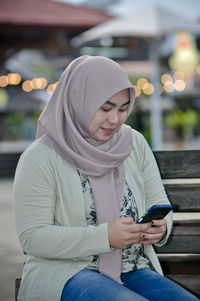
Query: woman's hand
[[123, 232], [155, 233]]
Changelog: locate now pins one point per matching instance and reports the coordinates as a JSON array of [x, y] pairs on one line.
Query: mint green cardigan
[[50, 216]]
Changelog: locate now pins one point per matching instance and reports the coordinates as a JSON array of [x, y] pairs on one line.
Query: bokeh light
[[179, 75], [168, 86], [14, 78], [51, 88], [137, 91], [166, 78], [148, 89], [179, 85], [39, 83], [141, 82], [27, 86], [3, 81]]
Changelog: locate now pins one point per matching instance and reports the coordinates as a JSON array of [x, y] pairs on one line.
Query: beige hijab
[[86, 84]]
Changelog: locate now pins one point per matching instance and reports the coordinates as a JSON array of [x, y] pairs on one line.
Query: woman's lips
[[108, 131]]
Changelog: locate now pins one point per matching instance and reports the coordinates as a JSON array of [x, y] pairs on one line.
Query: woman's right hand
[[123, 232]]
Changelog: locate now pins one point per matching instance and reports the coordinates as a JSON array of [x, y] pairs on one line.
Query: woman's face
[[111, 115]]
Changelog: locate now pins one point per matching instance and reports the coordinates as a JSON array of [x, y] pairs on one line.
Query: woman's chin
[[102, 138]]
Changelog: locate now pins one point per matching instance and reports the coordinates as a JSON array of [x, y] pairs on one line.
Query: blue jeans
[[142, 285]]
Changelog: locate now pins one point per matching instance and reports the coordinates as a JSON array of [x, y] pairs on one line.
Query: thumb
[[127, 220]]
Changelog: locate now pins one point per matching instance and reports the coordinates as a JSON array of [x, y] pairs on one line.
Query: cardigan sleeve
[[34, 208], [154, 190]]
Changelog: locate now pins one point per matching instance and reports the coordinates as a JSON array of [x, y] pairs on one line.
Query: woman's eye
[[105, 109], [120, 110], [124, 109]]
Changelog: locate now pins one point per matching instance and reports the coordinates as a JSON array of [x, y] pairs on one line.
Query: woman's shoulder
[[138, 139], [37, 150], [41, 156], [140, 147], [37, 155]]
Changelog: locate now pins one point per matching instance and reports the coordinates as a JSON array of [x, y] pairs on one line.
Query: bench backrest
[[8, 164], [180, 171]]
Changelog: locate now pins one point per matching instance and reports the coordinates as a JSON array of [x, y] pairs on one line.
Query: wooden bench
[[8, 163], [180, 257]]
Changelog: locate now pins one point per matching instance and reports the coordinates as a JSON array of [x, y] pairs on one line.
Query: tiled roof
[[48, 13]]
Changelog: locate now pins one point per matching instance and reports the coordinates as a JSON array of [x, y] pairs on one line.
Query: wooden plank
[[189, 282], [178, 267], [183, 239], [184, 182], [178, 164], [177, 263], [17, 285], [184, 198], [193, 230], [8, 163], [186, 217], [185, 244], [179, 257]]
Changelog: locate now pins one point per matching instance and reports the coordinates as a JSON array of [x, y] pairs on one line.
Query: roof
[[150, 21], [48, 13]]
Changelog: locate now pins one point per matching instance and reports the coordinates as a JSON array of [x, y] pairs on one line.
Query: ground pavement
[[11, 255]]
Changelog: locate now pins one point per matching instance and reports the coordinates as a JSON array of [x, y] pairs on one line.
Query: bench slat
[[187, 244], [17, 285], [183, 239], [190, 282], [178, 164], [179, 257], [8, 163], [193, 230], [184, 198], [188, 218], [172, 164]]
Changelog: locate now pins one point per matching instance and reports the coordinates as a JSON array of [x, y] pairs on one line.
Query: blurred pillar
[[155, 104]]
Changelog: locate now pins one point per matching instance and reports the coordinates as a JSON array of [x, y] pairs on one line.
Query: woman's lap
[[155, 287], [90, 285], [142, 285]]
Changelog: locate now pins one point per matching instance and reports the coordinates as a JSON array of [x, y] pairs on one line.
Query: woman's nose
[[113, 117]]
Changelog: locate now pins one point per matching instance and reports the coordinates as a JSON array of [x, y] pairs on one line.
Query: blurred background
[[156, 42]]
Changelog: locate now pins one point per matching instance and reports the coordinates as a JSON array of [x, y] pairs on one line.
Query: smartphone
[[155, 212]]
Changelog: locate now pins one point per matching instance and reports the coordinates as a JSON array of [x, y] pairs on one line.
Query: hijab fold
[[86, 84]]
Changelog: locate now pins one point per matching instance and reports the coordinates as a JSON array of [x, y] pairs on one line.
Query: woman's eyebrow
[[126, 103], [114, 105]]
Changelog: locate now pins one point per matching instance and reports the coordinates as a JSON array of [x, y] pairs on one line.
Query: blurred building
[[34, 50], [43, 24]]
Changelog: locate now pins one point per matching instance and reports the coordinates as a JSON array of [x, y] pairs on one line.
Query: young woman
[[79, 190]]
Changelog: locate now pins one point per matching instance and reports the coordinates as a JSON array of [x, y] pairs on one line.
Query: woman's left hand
[[155, 233]]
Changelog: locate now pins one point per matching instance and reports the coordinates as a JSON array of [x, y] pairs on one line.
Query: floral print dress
[[133, 258]]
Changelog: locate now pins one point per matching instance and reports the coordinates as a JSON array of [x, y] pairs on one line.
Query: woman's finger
[[157, 229], [159, 222], [148, 238]]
